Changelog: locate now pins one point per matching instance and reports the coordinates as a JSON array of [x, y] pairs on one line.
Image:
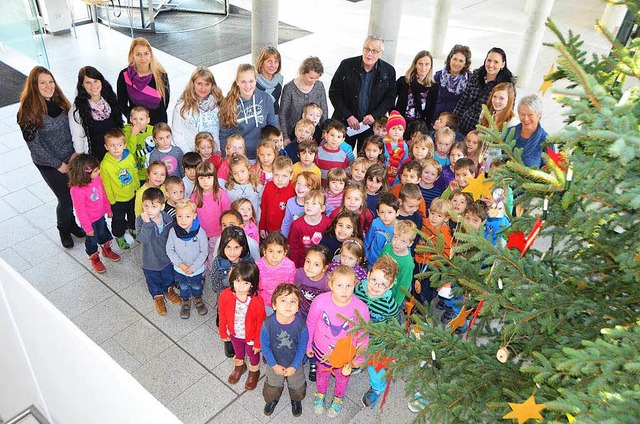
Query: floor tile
[[43, 217], [200, 402], [14, 230], [42, 191], [15, 159], [143, 341], [22, 200], [79, 295], [53, 273], [21, 177], [16, 261], [173, 325], [38, 248], [106, 319], [205, 345], [137, 294], [235, 413], [6, 210], [120, 355]]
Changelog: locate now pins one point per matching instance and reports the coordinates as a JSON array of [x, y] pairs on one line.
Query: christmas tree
[[563, 318]]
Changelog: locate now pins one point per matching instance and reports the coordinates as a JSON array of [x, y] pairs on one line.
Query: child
[[375, 183], [243, 183], [447, 120], [174, 187], [241, 317], [381, 230], [235, 145], [190, 162], [396, 150], [456, 152], [331, 316], [444, 140], [187, 248], [464, 169], [91, 204], [120, 180], [345, 225], [266, 154], [232, 247], [303, 184], [139, 136], [245, 208], [410, 199], [354, 201], [165, 152], [376, 293], [475, 150], [275, 268], [307, 152], [313, 112], [351, 255], [459, 202], [303, 132], [336, 180], [273, 133], [156, 174], [373, 150], [380, 127], [153, 226], [431, 186], [233, 218], [359, 170], [421, 148], [500, 104], [309, 228], [205, 146], [275, 196], [284, 337], [312, 280], [410, 174], [330, 155], [403, 236]]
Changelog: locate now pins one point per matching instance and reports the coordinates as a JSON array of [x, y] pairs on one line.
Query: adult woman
[[452, 80], [144, 82], [43, 119], [269, 78], [481, 82], [197, 110], [304, 89], [529, 134], [94, 111], [245, 110], [416, 91]]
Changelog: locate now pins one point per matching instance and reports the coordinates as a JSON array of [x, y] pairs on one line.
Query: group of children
[[299, 246]]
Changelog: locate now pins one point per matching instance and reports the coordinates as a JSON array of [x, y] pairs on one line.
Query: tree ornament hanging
[[460, 320], [525, 411], [478, 187], [547, 82], [522, 242], [502, 354]]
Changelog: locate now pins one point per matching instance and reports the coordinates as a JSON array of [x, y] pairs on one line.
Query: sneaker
[[158, 302], [122, 243], [355, 371], [335, 407], [417, 404], [370, 398], [313, 368], [318, 403], [172, 296], [200, 306], [185, 310], [96, 263], [108, 253]]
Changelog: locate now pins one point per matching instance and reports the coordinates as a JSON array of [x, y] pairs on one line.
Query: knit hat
[[396, 119]]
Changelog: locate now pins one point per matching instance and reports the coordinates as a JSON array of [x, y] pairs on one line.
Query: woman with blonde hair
[[144, 82], [197, 110], [270, 80], [416, 91], [245, 111]]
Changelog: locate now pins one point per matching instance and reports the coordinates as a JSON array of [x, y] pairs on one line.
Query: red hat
[[395, 119]]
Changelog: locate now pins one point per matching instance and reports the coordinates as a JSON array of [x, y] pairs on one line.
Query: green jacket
[[119, 177], [140, 145]]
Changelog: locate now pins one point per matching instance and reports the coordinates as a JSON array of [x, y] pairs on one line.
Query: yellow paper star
[[478, 187], [460, 320], [546, 84], [571, 418], [525, 411]]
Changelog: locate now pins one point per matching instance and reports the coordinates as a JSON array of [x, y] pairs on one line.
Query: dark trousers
[[158, 282], [59, 184], [124, 217], [101, 235]]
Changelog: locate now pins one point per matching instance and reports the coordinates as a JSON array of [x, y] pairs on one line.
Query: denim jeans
[[158, 282], [101, 235], [190, 285]]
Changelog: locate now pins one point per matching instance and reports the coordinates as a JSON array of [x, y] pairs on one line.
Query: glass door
[[21, 34]]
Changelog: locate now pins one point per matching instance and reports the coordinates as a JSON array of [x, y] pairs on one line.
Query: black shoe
[[78, 231], [312, 371], [65, 239], [296, 408], [229, 352], [269, 407]]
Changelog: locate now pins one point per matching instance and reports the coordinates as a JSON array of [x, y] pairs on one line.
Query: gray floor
[[181, 362]]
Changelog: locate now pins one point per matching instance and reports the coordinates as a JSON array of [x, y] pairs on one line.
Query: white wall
[[47, 361]]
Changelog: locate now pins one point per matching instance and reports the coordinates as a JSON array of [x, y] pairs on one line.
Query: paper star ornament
[[460, 320], [525, 411], [478, 187], [557, 158], [522, 242], [546, 84]]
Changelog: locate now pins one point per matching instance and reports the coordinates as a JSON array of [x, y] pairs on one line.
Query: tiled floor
[[181, 362]]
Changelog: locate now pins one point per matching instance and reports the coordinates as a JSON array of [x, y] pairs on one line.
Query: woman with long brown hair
[[416, 90], [44, 122]]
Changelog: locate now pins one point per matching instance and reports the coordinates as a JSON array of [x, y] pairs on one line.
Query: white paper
[[351, 132]]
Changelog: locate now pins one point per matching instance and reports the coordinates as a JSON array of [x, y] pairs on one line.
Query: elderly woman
[[304, 89], [452, 80], [529, 133]]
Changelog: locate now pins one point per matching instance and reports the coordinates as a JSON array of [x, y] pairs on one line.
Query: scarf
[[191, 234], [207, 104], [395, 155], [139, 91], [455, 85], [101, 110]]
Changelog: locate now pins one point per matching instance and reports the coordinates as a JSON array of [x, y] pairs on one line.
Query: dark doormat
[[215, 40], [11, 84]]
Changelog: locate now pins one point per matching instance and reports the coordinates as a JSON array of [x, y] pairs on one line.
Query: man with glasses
[[363, 89]]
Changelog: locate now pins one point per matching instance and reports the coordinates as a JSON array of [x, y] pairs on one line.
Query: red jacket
[[252, 322], [274, 202]]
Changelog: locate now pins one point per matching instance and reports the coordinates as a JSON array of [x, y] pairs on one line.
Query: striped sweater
[[328, 159], [382, 308]]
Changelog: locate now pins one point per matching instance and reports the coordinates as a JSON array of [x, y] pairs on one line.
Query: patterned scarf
[[207, 104], [100, 110], [455, 85], [139, 91]]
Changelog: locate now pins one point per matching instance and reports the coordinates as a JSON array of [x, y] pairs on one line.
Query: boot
[[96, 263], [77, 231], [172, 296], [185, 310], [108, 253], [237, 372], [65, 239], [200, 306], [158, 301], [252, 380], [229, 351]]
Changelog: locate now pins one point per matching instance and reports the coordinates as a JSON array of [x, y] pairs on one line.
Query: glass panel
[[21, 32]]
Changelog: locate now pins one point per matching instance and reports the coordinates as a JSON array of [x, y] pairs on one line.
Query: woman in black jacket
[[416, 90]]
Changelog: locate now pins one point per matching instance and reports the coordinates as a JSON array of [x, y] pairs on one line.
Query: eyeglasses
[[367, 50], [378, 284]]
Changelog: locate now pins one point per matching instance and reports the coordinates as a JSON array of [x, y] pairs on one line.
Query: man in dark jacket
[[363, 89]]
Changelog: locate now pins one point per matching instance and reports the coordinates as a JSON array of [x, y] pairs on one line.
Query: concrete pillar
[[528, 6], [264, 26], [439, 27], [532, 41], [613, 16], [384, 22]]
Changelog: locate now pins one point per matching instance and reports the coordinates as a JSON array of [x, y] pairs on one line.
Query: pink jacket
[[270, 277], [211, 211], [90, 202]]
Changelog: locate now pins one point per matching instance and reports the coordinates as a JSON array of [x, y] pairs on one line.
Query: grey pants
[[274, 385]]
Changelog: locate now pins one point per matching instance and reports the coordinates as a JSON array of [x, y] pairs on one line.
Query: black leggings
[[58, 183]]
